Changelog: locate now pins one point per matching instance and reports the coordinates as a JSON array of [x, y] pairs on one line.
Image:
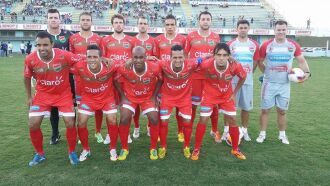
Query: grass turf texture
[[303, 162]]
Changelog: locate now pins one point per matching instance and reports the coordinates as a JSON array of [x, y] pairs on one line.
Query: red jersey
[[163, 45], [138, 88], [148, 44], [218, 85], [177, 86], [78, 44], [52, 77], [95, 87], [118, 50], [199, 46]]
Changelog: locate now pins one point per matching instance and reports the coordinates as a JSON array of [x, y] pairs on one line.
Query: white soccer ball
[[296, 75]]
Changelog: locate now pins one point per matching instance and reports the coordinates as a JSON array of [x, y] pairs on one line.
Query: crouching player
[[176, 92], [140, 86], [50, 67], [97, 93], [219, 72]]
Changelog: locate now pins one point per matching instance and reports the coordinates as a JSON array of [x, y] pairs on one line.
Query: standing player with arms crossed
[[162, 51], [219, 72], [78, 45], [139, 87], [245, 51], [200, 44], [50, 68], [278, 53], [117, 47]]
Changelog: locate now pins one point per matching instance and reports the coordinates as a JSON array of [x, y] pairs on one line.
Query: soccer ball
[[296, 75]]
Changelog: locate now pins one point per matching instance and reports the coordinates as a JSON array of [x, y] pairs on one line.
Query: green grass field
[[305, 161]]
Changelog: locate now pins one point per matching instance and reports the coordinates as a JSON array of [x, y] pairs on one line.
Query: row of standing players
[[118, 47]]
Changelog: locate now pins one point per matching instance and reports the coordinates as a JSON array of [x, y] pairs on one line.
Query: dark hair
[[176, 48], [44, 34], [170, 16], [118, 16], [281, 22], [94, 47], [86, 13], [204, 13], [220, 46], [242, 21], [53, 10]]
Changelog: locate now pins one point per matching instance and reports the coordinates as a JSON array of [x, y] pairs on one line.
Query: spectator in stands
[[22, 47], [251, 20], [234, 21], [224, 22], [309, 23]]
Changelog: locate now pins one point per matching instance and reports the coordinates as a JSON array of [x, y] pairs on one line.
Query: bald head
[[138, 50]]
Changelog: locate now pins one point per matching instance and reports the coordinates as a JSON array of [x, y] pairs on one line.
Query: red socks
[[123, 135], [137, 117], [200, 131], [98, 120], [163, 131], [193, 114], [154, 133], [234, 134], [83, 136], [71, 136], [214, 119], [113, 133], [37, 139], [179, 121], [187, 130]]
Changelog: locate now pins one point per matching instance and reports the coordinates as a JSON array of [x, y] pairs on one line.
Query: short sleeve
[[28, 70]]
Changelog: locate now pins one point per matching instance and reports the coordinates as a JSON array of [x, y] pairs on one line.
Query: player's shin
[[187, 130], [154, 133], [137, 117], [37, 140], [163, 133], [200, 131], [113, 133], [234, 134], [83, 136], [214, 119], [123, 135], [71, 136], [179, 121]]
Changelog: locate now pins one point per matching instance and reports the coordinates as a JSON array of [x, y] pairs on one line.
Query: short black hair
[[281, 22], [44, 34], [220, 46], [53, 10], [94, 47], [176, 48], [170, 16], [204, 13], [243, 21]]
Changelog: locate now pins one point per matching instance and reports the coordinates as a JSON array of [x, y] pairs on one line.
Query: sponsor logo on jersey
[[110, 44], [34, 108], [39, 70], [56, 82], [84, 106]]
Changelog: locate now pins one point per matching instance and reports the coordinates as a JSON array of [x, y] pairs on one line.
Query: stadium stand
[[225, 12]]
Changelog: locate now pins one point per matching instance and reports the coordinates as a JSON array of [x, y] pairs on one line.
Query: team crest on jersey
[[211, 42], [125, 44], [146, 80], [228, 77], [57, 67], [290, 49], [252, 49], [62, 39], [148, 47]]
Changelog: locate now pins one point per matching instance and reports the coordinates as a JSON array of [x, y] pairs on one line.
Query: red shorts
[[146, 106], [224, 106], [43, 102], [184, 107], [197, 90], [108, 107]]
